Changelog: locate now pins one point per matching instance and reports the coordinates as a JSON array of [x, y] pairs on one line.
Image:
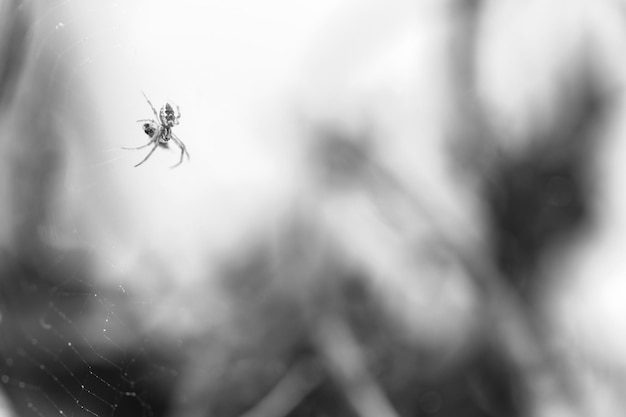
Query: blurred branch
[[299, 381], [345, 360]]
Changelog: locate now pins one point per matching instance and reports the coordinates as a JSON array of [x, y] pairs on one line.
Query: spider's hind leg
[[181, 145], [183, 150]]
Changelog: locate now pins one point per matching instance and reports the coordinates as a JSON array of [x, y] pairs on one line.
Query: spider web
[[71, 350]]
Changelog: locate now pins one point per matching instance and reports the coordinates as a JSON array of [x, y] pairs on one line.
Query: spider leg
[[180, 144], [156, 145], [151, 106], [179, 162], [182, 154], [183, 149], [147, 120], [177, 114], [139, 147], [152, 139]]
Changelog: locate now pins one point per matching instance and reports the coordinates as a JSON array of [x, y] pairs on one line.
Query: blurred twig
[[345, 360], [298, 382]]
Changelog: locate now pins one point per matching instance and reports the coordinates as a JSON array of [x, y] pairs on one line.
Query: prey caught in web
[[159, 130]]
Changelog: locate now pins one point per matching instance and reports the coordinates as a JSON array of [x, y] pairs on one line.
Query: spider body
[[168, 116], [159, 130]]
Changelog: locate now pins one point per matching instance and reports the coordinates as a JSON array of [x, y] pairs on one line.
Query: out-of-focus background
[[391, 208]]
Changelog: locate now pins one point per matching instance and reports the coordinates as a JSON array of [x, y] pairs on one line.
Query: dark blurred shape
[[541, 197], [485, 387], [341, 160]]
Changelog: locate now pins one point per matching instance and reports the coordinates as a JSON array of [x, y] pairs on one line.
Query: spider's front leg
[[153, 134], [151, 106], [139, 147], [153, 138]]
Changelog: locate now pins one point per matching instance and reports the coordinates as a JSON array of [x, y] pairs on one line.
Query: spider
[[159, 130]]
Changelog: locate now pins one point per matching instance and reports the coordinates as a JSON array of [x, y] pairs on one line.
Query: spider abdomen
[[168, 116]]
